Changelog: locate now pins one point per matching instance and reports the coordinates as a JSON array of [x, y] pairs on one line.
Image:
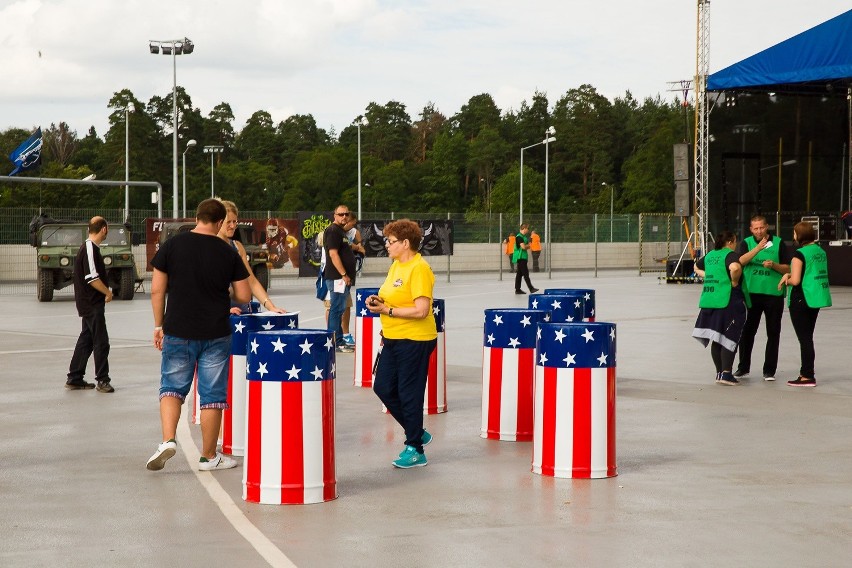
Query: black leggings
[[804, 322], [722, 358]]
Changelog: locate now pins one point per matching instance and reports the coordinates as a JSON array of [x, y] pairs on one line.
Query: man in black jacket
[[91, 295], [339, 273]]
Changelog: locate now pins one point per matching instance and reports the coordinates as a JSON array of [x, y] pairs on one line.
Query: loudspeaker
[[681, 198], [685, 267], [681, 162]]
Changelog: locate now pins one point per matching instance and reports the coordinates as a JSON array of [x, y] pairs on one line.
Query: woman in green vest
[[808, 279], [723, 305]]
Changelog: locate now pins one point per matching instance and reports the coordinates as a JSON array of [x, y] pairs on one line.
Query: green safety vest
[[763, 280], [716, 292], [520, 253], [815, 279]]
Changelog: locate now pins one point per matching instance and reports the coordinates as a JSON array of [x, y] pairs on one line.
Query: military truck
[[57, 244], [257, 254]]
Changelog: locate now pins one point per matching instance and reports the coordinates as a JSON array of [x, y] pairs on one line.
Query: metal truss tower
[[702, 124]]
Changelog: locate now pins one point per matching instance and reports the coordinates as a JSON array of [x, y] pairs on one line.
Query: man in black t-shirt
[[339, 273], [196, 268], [91, 295]]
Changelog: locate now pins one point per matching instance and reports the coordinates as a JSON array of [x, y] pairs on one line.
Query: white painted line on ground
[[271, 553], [67, 349]]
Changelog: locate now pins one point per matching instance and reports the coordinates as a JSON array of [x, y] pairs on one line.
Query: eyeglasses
[[343, 214], [389, 242]]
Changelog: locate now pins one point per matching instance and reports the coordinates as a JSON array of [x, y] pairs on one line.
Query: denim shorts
[[181, 357]]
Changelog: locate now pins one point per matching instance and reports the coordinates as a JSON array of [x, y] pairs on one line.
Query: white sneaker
[[164, 451], [219, 462], [769, 378]]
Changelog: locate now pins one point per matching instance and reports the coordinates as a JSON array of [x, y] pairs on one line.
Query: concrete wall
[[17, 262]]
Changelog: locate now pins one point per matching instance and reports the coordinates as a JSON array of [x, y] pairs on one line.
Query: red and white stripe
[[507, 403], [435, 399], [234, 417], [290, 442], [574, 425], [368, 331]]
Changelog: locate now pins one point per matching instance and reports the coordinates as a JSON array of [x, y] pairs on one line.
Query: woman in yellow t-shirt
[[409, 336]]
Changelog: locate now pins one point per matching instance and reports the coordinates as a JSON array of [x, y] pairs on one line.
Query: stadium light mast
[[173, 47]]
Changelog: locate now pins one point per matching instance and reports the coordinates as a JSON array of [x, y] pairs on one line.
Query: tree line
[[617, 151]]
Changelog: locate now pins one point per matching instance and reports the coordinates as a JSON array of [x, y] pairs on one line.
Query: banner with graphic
[[437, 237], [311, 225], [278, 236]]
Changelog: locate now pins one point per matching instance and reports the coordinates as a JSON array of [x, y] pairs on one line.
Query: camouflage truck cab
[[257, 254], [57, 245]]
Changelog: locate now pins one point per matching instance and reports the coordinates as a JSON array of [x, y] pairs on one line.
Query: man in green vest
[[765, 258], [520, 256]]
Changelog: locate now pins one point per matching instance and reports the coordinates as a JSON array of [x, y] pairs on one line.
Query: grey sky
[[64, 59]]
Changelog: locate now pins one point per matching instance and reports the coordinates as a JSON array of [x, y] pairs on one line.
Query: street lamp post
[[521, 197], [127, 110], [611, 202], [189, 144], [362, 121], [548, 138], [173, 47], [213, 150]]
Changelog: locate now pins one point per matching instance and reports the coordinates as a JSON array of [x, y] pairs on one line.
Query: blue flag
[[28, 154]]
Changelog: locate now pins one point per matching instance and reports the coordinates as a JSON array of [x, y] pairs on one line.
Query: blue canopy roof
[[816, 60]]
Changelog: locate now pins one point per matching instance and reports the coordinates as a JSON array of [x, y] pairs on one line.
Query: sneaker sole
[[802, 385], [217, 467], [729, 384], [159, 462], [109, 390], [396, 465], [770, 379], [78, 387]]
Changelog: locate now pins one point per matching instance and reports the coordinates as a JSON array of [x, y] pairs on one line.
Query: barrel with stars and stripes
[[254, 307], [368, 337], [290, 418], [588, 296], [435, 396], [435, 399], [574, 425], [563, 307], [234, 417], [508, 366]]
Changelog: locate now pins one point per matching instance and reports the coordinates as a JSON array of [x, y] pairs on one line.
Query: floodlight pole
[[127, 110]]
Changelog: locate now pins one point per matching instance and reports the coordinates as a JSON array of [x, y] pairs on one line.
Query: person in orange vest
[[535, 248], [509, 249]]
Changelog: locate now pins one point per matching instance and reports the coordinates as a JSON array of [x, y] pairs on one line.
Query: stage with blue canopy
[[816, 61]]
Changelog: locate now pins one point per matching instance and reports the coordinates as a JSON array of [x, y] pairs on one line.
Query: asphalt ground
[[754, 475]]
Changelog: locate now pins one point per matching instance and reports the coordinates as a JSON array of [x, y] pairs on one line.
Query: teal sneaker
[[410, 458], [426, 438]]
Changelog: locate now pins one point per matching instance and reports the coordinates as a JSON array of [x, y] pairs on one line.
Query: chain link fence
[[647, 241]]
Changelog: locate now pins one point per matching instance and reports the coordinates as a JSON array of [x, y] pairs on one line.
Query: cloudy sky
[[64, 59]]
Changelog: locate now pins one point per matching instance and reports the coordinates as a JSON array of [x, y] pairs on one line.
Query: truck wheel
[[262, 275], [126, 287], [45, 285]]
